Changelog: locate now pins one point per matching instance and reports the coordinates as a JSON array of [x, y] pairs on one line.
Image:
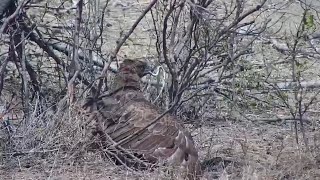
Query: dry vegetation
[[242, 75]]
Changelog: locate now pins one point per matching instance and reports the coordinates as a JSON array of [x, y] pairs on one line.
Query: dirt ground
[[231, 150]]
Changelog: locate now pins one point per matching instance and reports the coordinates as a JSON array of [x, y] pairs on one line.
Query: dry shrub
[[245, 150], [57, 143], [62, 132]]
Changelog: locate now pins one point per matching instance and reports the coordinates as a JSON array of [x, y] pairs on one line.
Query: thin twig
[[113, 55], [105, 138], [24, 77], [75, 65], [2, 71], [12, 16], [143, 129]]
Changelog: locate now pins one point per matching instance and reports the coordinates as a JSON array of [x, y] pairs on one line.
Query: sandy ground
[[239, 151]]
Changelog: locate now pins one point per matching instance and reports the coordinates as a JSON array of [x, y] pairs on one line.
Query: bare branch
[[12, 16]]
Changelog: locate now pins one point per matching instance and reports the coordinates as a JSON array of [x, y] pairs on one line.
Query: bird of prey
[[125, 119]]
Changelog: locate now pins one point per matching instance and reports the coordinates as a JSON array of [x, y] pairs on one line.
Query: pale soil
[[89, 170], [253, 151], [63, 173], [256, 151]]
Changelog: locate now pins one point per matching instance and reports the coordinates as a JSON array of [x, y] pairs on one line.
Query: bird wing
[[165, 139], [129, 113]]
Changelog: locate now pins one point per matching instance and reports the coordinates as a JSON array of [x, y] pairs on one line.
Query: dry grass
[[52, 146]]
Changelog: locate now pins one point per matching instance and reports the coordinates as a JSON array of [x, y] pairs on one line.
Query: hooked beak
[[148, 70]]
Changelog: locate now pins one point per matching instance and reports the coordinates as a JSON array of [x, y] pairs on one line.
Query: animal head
[[135, 67], [129, 74]]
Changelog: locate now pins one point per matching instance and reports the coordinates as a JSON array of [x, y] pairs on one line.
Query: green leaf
[[310, 22]]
